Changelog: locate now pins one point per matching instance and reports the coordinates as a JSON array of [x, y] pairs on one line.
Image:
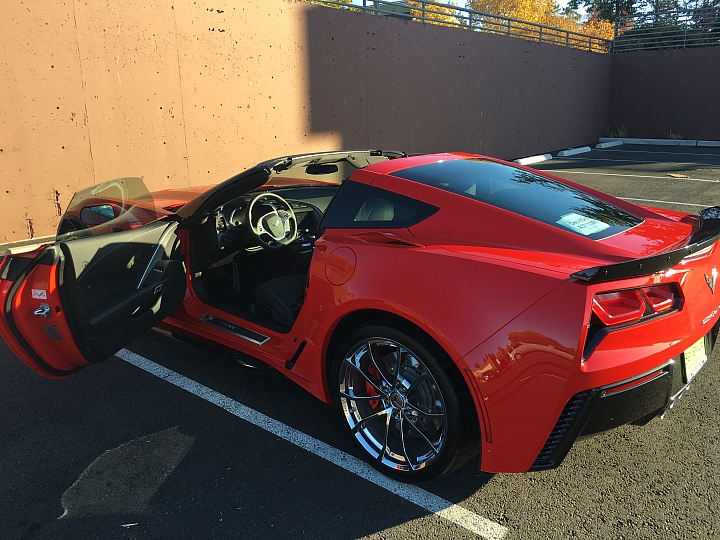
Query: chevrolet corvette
[[451, 306]]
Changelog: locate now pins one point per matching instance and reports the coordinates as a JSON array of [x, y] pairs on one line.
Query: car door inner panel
[[80, 301]]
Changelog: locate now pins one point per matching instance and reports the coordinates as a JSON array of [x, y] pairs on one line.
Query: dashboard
[[232, 231]]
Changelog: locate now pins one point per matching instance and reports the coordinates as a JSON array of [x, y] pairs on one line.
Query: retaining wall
[[185, 92], [656, 93]]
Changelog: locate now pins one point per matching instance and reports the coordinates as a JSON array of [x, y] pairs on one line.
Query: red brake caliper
[[374, 403]]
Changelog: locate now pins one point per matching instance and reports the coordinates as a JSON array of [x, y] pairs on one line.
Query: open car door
[[79, 301]]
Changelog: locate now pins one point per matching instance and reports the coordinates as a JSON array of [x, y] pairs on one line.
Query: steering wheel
[[275, 228]]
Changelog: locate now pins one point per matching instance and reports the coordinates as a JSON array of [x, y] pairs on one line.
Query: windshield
[[112, 206], [325, 173], [527, 194]]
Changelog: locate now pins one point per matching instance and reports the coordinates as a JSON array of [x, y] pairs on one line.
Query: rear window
[[361, 206], [527, 194]]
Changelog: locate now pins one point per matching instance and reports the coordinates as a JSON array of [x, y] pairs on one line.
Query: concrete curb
[[661, 142], [533, 159], [608, 144], [573, 151]]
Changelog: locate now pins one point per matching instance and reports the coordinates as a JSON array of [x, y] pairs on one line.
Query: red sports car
[[449, 305]]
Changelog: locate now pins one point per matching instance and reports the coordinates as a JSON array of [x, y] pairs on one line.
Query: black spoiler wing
[[705, 236]]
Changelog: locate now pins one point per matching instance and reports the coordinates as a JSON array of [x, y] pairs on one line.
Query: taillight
[[630, 305], [618, 307], [660, 297]]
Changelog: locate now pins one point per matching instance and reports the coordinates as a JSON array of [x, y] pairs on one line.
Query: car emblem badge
[[711, 282]]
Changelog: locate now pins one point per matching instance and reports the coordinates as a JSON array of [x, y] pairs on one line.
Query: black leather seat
[[279, 298]]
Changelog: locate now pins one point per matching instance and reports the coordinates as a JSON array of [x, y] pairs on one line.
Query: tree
[[443, 15], [606, 10], [546, 12], [329, 5]]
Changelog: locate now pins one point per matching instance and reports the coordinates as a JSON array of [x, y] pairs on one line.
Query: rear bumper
[[634, 401]]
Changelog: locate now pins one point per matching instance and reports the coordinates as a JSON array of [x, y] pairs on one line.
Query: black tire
[[413, 418]]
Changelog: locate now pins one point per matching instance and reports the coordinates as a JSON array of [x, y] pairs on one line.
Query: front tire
[[401, 406]]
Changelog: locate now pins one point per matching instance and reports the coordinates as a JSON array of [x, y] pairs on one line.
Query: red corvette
[[450, 305]]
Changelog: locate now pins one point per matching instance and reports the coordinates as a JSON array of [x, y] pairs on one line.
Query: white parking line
[[561, 172], [666, 202], [424, 499], [654, 152], [641, 161]]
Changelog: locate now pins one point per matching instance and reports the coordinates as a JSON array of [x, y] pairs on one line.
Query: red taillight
[[660, 297], [618, 307]]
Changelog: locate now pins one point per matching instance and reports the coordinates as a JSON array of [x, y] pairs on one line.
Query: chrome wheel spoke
[[425, 413], [382, 454], [352, 396], [398, 365], [365, 420], [420, 379], [366, 377], [368, 344], [404, 447], [431, 445]]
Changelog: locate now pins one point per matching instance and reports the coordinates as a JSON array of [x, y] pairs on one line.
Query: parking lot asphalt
[[679, 178], [116, 452]]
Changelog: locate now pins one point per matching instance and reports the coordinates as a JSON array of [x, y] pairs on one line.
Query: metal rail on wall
[[430, 12], [677, 29]]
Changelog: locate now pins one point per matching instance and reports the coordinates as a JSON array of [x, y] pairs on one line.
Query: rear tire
[[412, 420]]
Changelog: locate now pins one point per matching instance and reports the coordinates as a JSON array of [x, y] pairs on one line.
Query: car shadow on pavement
[[114, 452]]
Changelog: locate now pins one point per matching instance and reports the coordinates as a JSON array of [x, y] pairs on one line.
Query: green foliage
[[667, 33], [607, 10], [674, 136], [619, 132], [329, 5]]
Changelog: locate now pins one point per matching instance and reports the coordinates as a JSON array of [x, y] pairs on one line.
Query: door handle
[[43, 311]]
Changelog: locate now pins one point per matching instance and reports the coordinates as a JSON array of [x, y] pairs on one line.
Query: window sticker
[[582, 224]]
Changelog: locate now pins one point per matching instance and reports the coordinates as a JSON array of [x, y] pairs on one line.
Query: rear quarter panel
[[457, 299]]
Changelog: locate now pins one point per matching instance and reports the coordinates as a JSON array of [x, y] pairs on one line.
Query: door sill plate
[[234, 329]]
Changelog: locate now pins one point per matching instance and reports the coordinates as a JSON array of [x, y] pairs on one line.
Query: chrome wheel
[[393, 404]]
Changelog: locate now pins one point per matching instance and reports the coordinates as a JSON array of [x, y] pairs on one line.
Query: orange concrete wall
[[188, 92]]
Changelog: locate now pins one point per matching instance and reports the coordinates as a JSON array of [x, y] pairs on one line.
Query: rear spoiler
[[705, 236]]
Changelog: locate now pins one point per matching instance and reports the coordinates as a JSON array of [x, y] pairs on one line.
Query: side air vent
[[221, 223], [564, 433]]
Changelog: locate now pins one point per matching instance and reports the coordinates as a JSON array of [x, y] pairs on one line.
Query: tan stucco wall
[[189, 92]]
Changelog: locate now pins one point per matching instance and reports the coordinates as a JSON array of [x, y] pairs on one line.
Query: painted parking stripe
[[639, 161], [616, 150], [558, 172], [666, 202], [424, 499]]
